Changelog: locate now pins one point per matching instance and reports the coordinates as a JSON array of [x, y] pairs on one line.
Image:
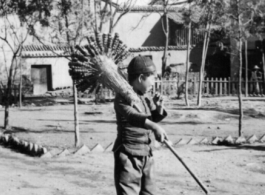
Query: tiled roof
[[140, 49], [149, 9], [47, 51], [45, 48], [178, 18], [160, 2], [37, 51]]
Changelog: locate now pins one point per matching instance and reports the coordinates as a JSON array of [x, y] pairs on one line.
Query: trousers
[[134, 174]]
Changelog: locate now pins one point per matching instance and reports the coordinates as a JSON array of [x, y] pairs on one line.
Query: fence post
[[211, 86], [251, 87], [195, 86], [243, 86], [260, 87], [207, 86], [221, 86], [232, 86], [225, 86], [216, 86]]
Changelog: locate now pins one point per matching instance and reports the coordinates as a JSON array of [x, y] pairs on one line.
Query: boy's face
[[146, 83]]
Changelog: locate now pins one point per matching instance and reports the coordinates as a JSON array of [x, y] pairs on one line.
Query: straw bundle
[[97, 64]]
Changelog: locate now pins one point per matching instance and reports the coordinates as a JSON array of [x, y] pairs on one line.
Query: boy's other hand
[[160, 134], [158, 99]]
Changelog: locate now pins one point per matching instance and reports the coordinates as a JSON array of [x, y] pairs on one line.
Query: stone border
[[22, 146], [35, 150]]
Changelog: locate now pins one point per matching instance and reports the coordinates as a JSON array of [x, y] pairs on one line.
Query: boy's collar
[[139, 93]]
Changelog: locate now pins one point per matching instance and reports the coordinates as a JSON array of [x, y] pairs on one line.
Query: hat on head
[[141, 65], [256, 67]]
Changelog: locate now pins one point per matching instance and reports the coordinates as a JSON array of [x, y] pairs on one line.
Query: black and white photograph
[[132, 97]]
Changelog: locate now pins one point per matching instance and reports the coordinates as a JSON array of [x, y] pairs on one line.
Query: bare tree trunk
[[103, 17], [240, 73], [8, 93], [187, 67], [246, 68], [204, 55], [20, 84], [166, 32], [77, 134], [240, 90], [95, 16], [111, 18], [263, 63]]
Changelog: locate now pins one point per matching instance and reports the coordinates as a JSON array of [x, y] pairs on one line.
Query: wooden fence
[[176, 88], [211, 87]]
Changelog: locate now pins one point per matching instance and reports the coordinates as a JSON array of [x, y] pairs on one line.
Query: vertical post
[[187, 66], [212, 86], [160, 85], [77, 136], [20, 84], [216, 86], [207, 86], [246, 68], [232, 85], [229, 85], [195, 85], [225, 87], [221, 86], [263, 63]]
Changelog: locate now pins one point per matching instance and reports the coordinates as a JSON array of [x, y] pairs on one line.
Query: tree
[[67, 26], [257, 28], [167, 6], [187, 16], [14, 33], [237, 21], [190, 16], [212, 11], [112, 13]]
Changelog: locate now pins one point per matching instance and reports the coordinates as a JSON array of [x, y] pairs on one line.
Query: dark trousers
[[134, 174]]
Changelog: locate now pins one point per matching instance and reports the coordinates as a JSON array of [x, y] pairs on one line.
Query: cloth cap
[[141, 65]]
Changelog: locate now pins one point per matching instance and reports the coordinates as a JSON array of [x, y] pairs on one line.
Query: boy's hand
[[160, 134], [158, 99]]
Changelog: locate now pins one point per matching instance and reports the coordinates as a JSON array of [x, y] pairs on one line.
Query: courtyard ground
[[235, 170]]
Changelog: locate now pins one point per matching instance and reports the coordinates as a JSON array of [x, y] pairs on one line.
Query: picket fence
[[210, 87], [176, 88]]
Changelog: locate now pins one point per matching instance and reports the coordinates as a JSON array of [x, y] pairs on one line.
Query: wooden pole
[[204, 188], [246, 68], [76, 118], [263, 63], [240, 77], [187, 66], [20, 84]]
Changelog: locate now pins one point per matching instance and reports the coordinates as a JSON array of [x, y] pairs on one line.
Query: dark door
[[41, 78]]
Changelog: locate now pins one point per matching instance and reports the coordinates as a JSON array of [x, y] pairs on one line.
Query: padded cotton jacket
[[133, 137]]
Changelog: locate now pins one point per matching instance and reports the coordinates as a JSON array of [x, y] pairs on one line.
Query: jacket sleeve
[[134, 118], [156, 116]]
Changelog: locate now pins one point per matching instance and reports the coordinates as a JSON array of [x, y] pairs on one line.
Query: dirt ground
[[235, 170]]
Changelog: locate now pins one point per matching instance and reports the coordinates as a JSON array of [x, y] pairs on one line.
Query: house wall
[[176, 57], [59, 66], [139, 29]]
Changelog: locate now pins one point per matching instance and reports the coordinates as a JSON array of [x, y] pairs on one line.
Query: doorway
[[42, 78]]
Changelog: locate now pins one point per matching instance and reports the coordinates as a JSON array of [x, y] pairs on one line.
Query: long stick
[[187, 168]]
